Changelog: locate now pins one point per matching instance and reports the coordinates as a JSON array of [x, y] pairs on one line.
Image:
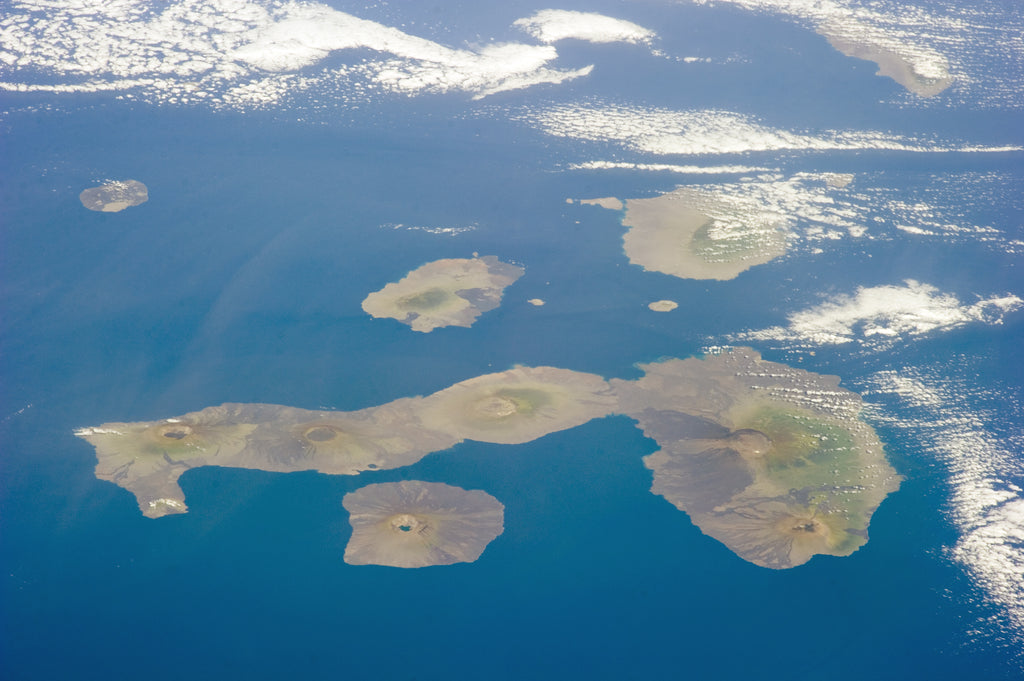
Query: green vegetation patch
[[183, 441], [806, 451], [527, 400], [426, 300]]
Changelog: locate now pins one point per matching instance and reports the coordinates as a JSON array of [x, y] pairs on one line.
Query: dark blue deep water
[[241, 280]]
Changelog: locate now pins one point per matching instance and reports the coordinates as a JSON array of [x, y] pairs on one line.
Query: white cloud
[[868, 33], [822, 209], [552, 25], [241, 52], [880, 315], [664, 131], [944, 410], [667, 167], [492, 69], [977, 45]]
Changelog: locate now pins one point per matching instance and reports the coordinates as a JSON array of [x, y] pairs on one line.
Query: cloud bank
[[552, 25], [880, 315], [952, 419], [247, 53], [660, 131]]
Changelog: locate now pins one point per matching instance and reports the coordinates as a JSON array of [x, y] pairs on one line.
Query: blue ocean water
[[240, 280]]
